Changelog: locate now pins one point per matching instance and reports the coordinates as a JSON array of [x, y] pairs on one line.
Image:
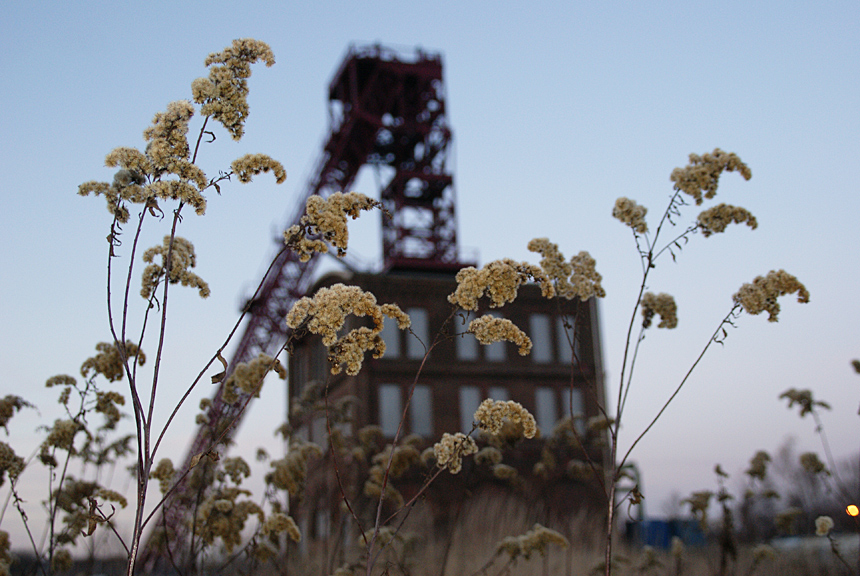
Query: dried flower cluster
[[405, 456], [804, 399], [325, 314], [662, 305], [699, 502], [253, 164], [108, 362], [8, 406], [223, 515], [279, 522], [289, 472], [488, 455], [491, 415], [224, 93], [810, 462], [182, 258], [10, 463], [631, 213], [761, 295], [577, 278], [535, 540], [223, 96], [451, 449], [247, 378], [488, 329], [61, 435], [823, 525], [716, 219], [107, 404], [324, 223], [499, 280], [164, 473], [758, 465], [702, 174]]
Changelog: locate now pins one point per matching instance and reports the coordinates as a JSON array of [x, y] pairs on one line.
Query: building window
[[420, 335], [321, 525], [564, 336], [546, 411], [421, 411], [470, 399], [572, 405], [499, 393], [390, 409], [391, 336], [467, 344], [497, 351], [541, 336]]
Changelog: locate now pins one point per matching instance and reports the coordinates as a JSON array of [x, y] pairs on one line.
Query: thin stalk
[[712, 339]]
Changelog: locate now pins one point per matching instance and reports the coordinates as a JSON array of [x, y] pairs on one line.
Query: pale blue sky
[[557, 108]]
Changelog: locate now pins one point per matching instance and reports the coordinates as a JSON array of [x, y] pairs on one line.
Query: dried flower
[[577, 278], [758, 465], [716, 219], [823, 525], [224, 93], [164, 473], [223, 515], [289, 472], [631, 214], [804, 399], [488, 455], [449, 451], [8, 406], [248, 377], [61, 435], [491, 415], [10, 463], [325, 314], [661, 304], [809, 461], [278, 523], [252, 164], [499, 280], [488, 329], [535, 540], [699, 502], [325, 221], [109, 362], [702, 174], [761, 295], [182, 258]]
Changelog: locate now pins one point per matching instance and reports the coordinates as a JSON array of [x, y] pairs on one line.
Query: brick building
[[458, 374]]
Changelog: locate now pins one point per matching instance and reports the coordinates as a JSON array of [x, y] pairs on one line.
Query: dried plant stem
[[714, 338]]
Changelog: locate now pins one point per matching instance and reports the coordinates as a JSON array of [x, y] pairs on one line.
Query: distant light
[[852, 510]]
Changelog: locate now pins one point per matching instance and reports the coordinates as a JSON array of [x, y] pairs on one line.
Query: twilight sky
[[557, 110]]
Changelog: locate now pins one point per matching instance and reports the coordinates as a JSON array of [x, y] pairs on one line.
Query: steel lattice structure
[[386, 110]]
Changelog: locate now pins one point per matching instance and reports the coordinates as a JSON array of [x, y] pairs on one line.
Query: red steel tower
[[387, 110]]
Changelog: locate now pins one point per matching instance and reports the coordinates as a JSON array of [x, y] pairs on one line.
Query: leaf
[[220, 375], [212, 455]]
